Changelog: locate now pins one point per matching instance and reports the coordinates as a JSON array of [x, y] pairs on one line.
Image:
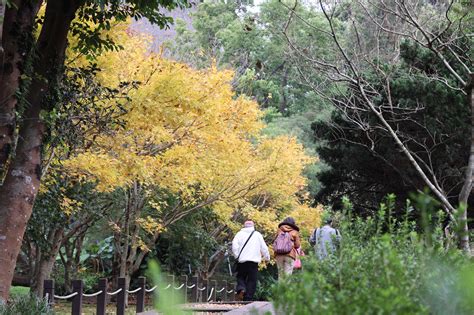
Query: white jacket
[[255, 248]]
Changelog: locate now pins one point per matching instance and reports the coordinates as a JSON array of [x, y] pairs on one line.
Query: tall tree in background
[[250, 40], [30, 70], [361, 71], [360, 166]]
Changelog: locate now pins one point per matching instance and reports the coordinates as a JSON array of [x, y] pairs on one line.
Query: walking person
[[285, 246], [248, 247], [325, 239]]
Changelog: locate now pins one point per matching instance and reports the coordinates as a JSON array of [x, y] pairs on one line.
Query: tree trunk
[[129, 249], [22, 180], [16, 199], [44, 266], [213, 263], [463, 226], [71, 258], [283, 106], [18, 21], [66, 260], [43, 272]]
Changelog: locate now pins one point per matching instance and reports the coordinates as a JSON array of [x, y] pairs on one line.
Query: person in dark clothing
[[246, 280]]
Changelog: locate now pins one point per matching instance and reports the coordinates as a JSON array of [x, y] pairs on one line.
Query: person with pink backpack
[[286, 245]]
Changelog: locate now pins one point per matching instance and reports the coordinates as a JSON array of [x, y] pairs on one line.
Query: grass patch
[[64, 308], [19, 291]]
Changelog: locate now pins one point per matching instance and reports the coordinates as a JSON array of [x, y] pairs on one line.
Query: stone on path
[[255, 308]]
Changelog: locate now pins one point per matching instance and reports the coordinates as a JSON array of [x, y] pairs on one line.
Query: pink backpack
[[283, 244]]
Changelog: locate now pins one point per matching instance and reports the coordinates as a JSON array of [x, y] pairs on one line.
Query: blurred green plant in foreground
[[384, 265], [165, 301]]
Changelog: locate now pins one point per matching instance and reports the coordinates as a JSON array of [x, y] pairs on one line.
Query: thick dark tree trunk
[[16, 199], [18, 21], [22, 180]]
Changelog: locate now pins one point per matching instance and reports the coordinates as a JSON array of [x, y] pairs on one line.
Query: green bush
[[266, 280], [383, 266], [25, 304]]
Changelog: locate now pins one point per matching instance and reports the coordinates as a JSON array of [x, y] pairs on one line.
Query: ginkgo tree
[[188, 143]]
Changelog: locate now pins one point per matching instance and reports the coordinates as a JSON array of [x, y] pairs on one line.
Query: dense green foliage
[[252, 44], [383, 266], [177, 248], [434, 120]]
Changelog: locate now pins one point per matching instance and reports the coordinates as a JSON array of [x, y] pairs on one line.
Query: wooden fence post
[[199, 284], [101, 298], [233, 285], [48, 291], [205, 292], [195, 291], [225, 294], [184, 289], [216, 288], [121, 296], [141, 295], [77, 286]]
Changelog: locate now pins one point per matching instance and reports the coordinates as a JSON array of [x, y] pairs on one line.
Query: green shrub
[[266, 280], [25, 304], [383, 266]]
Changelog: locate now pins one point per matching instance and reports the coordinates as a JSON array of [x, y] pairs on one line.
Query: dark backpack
[[283, 244]]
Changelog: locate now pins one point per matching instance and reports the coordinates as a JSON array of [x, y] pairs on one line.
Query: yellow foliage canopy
[[188, 133]]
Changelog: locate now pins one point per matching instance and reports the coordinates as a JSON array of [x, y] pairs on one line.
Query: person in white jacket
[[248, 248]]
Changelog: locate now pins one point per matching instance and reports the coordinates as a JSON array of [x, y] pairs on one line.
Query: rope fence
[[66, 296], [115, 292], [179, 288], [192, 289], [210, 295], [134, 291], [151, 290], [92, 294]]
